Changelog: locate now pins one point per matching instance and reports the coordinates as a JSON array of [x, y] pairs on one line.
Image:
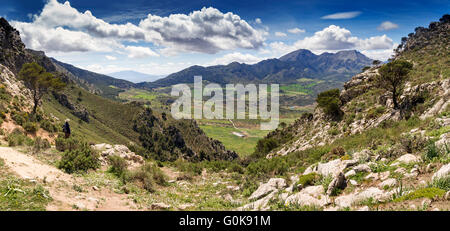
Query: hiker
[[66, 129]]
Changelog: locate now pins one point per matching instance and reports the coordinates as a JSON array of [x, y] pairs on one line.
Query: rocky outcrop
[[106, 150], [76, 109]]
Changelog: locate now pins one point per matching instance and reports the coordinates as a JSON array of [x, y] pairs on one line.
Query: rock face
[[106, 150], [272, 185]]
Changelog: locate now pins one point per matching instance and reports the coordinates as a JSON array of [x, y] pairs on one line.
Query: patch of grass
[[422, 193], [21, 195], [441, 183]]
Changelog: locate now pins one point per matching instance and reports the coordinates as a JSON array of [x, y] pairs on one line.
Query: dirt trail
[[60, 185]]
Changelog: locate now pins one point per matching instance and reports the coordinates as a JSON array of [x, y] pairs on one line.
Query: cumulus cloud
[[110, 58], [387, 25], [334, 38], [296, 31], [258, 20], [280, 34], [62, 40], [236, 57], [342, 15], [140, 52], [205, 31]]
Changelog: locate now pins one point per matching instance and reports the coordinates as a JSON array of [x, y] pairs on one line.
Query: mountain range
[[302, 63]]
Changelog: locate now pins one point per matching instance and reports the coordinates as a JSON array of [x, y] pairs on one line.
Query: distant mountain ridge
[[287, 69], [135, 77]]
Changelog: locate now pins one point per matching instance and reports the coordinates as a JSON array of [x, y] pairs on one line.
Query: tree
[[39, 81], [330, 103], [392, 77], [376, 62]]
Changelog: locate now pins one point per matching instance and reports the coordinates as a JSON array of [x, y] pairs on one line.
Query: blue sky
[[161, 37]]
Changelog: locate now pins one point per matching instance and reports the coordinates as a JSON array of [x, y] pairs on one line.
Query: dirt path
[[61, 185]]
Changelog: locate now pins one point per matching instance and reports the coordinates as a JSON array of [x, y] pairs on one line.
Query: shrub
[[118, 165], [49, 126], [264, 146], [79, 160], [40, 144], [308, 179], [17, 138], [149, 175], [330, 103], [431, 151], [30, 127], [20, 118], [62, 144]]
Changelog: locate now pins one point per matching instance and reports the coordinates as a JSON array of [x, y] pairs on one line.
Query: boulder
[[338, 182], [334, 167], [406, 159], [357, 197], [309, 196], [274, 184], [350, 173], [444, 141], [260, 204], [362, 168], [388, 183], [363, 155], [444, 171]]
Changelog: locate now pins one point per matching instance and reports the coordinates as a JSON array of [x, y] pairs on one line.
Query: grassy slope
[[110, 121]]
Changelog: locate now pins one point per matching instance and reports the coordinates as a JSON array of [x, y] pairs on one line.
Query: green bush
[[19, 117], [118, 165], [49, 126], [79, 160], [308, 179], [431, 151], [148, 175], [30, 127], [330, 103], [18, 138], [62, 144], [40, 144]]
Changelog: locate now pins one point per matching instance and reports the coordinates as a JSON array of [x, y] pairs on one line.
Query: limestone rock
[[338, 182], [444, 171], [274, 184]]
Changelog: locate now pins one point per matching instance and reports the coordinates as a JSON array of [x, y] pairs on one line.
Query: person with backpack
[[66, 129]]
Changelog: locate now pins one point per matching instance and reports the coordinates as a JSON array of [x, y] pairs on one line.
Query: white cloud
[[207, 31], [236, 57], [332, 39], [296, 31], [55, 14], [140, 52], [387, 25], [258, 20], [280, 34], [62, 40], [110, 58], [342, 15]]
